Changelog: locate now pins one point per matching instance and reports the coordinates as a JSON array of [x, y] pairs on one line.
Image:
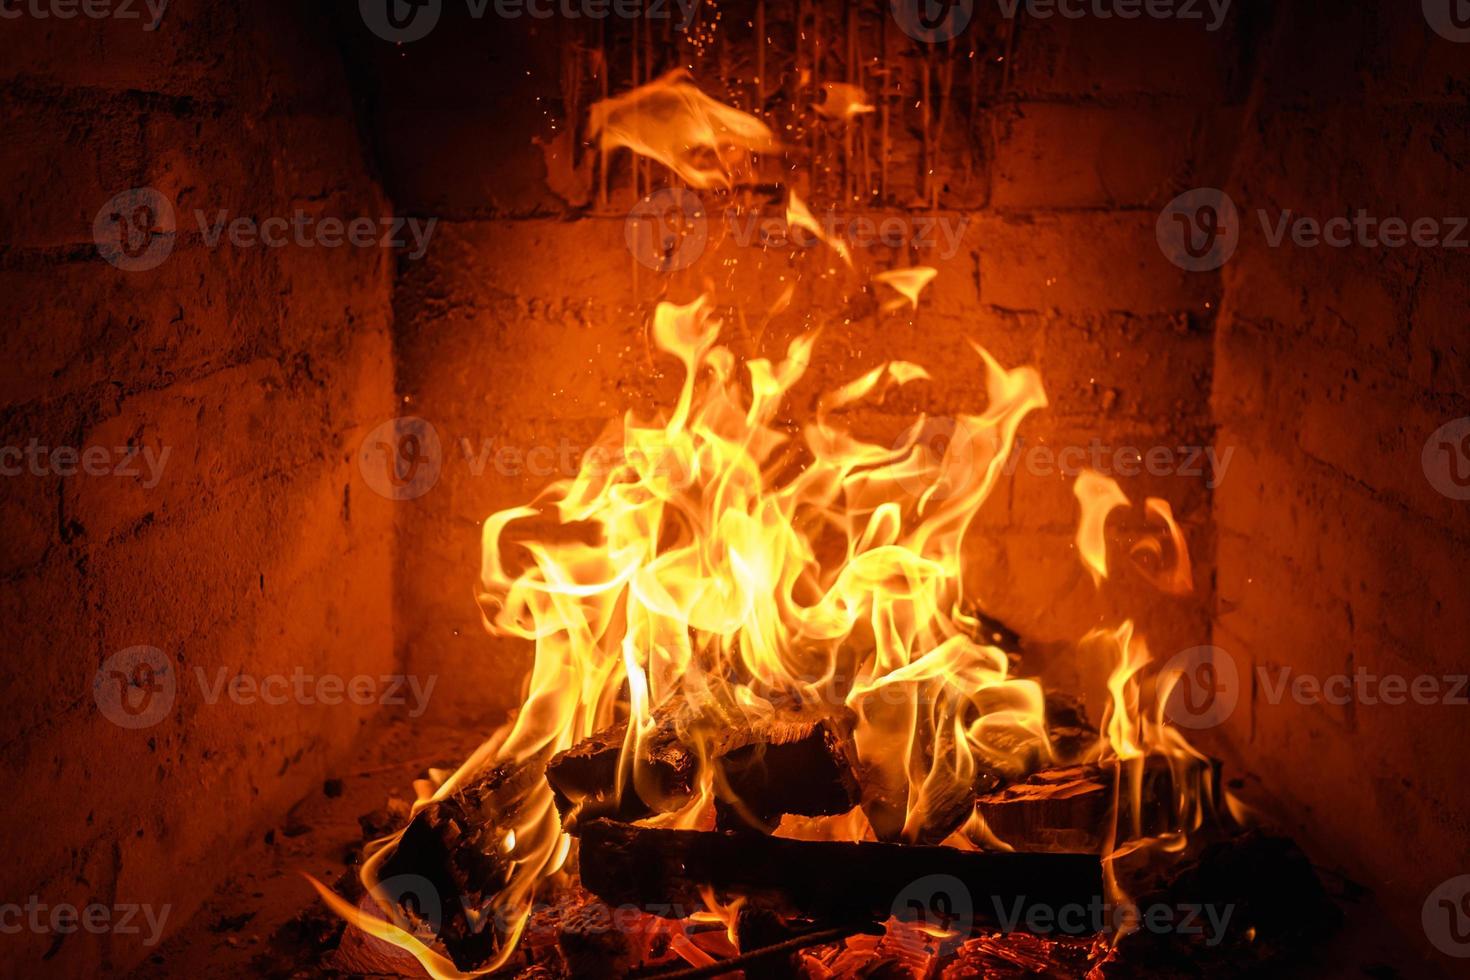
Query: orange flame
[[670, 120]]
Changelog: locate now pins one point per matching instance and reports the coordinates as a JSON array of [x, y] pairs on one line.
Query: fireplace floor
[[254, 926], [267, 921]]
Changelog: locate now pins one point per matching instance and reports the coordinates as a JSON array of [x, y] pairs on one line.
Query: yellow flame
[[798, 215], [1099, 497], [909, 282], [670, 120]]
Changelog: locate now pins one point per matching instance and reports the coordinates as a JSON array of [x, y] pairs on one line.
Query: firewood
[[800, 764], [1066, 809], [663, 871], [804, 767], [457, 845], [584, 778]]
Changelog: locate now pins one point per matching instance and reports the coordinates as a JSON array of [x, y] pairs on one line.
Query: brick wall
[[256, 549], [1333, 366]]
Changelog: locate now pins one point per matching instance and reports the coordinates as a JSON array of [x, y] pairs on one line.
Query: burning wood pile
[[767, 729]]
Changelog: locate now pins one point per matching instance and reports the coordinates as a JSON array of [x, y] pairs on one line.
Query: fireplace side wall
[[1337, 555], [255, 550]]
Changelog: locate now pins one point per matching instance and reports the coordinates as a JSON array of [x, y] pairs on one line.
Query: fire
[[713, 559], [670, 120]]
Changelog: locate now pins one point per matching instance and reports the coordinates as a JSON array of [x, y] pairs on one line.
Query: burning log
[[1066, 810], [663, 872], [801, 766], [585, 777], [456, 844], [797, 764]]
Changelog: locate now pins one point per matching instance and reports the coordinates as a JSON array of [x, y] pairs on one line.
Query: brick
[[1119, 366], [1084, 261], [1116, 157], [1112, 58]]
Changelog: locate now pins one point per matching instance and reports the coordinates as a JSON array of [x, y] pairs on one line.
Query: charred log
[[1069, 809], [798, 764], [663, 872], [455, 844], [803, 767]]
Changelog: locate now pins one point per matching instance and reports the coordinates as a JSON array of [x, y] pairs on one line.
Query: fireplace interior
[[735, 488]]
